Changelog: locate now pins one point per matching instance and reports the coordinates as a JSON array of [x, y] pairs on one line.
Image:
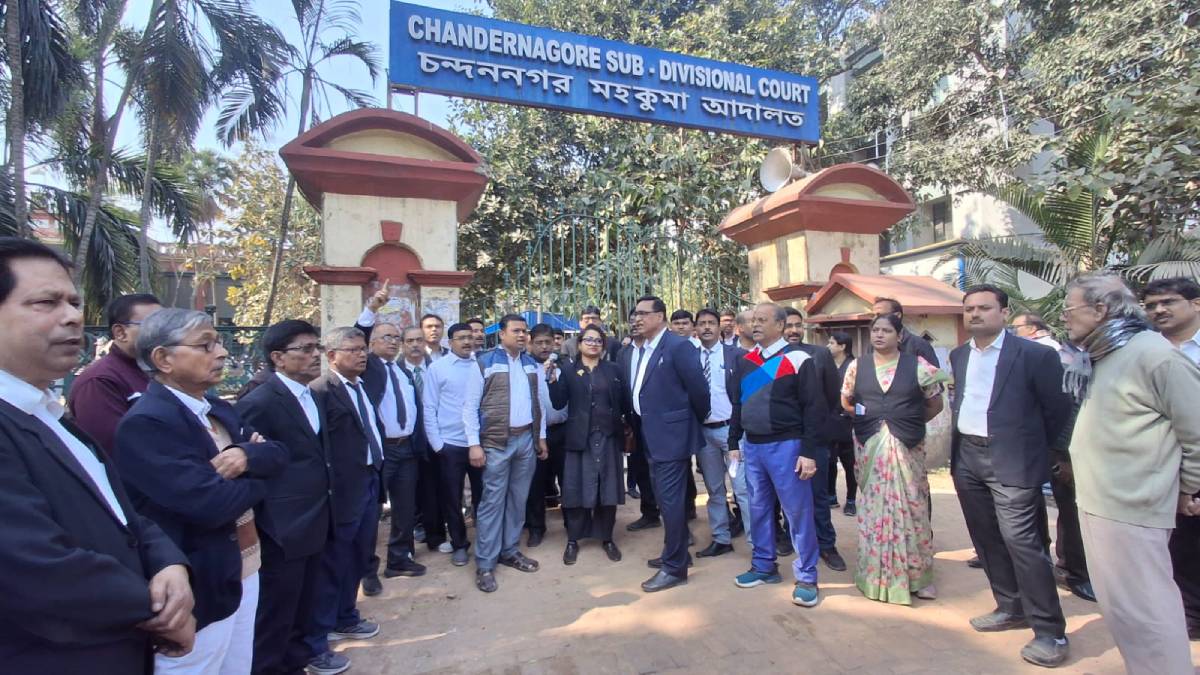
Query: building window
[[940, 217]]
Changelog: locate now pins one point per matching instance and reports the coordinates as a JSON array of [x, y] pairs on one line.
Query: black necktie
[[401, 417], [638, 368], [376, 451]]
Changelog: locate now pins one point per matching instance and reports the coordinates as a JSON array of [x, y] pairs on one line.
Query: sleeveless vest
[[493, 407], [902, 406]]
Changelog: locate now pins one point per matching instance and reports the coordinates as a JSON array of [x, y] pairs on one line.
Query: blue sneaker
[[805, 595], [755, 578]]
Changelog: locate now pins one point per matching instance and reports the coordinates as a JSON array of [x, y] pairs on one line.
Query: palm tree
[[1076, 234], [182, 74], [317, 19]]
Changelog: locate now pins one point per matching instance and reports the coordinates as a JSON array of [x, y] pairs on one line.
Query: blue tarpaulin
[[532, 318]]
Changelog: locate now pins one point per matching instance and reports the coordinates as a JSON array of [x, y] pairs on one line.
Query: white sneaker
[[445, 547]]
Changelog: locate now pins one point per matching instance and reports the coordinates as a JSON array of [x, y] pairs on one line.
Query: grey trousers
[[501, 514]]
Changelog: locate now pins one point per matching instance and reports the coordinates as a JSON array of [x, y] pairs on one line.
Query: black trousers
[[1185, 557], [596, 522], [844, 453], [670, 487], [639, 466], [400, 468], [1068, 547], [1003, 521], [691, 486], [546, 473], [285, 606], [455, 467], [431, 500]]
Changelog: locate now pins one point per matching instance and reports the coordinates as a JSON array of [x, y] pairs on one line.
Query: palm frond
[[355, 97], [365, 52], [1166, 256], [52, 69]]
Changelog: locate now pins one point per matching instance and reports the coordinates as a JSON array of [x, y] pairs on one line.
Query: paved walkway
[[593, 617]]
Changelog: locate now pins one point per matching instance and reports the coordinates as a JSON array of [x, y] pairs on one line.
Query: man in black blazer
[[192, 466], [1008, 408], [356, 444], [637, 466], [670, 396], [294, 519], [88, 584]]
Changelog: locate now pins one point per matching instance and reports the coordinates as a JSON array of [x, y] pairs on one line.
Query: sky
[[343, 70]]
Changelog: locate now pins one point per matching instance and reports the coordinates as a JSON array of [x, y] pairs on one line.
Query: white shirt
[[978, 383], [1049, 342], [358, 394], [720, 407], [638, 369], [304, 396], [770, 351], [200, 407], [445, 389], [1191, 348], [387, 405], [41, 404], [520, 403]]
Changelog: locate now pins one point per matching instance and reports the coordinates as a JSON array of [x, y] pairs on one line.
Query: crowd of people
[[159, 528]]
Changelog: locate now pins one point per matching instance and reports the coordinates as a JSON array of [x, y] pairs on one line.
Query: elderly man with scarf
[[1136, 460]]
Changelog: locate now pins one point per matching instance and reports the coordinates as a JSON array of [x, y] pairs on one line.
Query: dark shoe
[[850, 509], [644, 523], [714, 549], [459, 557], [407, 567], [328, 664], [519, 562], [833, 502], [633, 493], [691, 513], [485, 581], [1082, 589], [833, 560], [372, 586], [571, 554], [736, 529], [783, 546], [535, 538], [611, 550], [656, 563], [662, 581], [363, 630], [975, 563], [419, 534], [1045, 652], [997, 621]]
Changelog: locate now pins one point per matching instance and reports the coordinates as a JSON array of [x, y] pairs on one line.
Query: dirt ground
[[593, 617]]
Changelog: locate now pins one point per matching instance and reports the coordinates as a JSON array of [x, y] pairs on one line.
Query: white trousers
[[1130, 568], [225, 647]]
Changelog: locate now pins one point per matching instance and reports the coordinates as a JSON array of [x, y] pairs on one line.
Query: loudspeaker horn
[[778, 170]]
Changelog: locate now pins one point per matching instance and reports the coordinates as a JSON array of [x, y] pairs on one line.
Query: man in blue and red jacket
[[779, 407]]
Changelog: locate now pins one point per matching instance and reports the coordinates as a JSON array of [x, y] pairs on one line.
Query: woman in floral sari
[[891, 403]]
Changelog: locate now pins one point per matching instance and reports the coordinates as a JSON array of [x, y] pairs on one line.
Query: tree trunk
[[152, 144], [16, 116], [105, 132], [285, 216]]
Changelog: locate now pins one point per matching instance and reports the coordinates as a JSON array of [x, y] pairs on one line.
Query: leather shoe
[[485, 581], [656, 563], [407, 567], [535, 538], [371, 585], [1082, 589], [714, 549], [975, 563], [833, 560], [997, 621], [611, 550], [643, 523], [662, 581], [571, 554], [1045, 652]]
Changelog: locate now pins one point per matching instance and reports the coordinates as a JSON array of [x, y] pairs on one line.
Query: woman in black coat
[[592, 484]]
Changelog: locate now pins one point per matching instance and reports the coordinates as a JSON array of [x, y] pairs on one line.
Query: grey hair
[[336, 336], [780, 312], [1108, 289], [167, 327]]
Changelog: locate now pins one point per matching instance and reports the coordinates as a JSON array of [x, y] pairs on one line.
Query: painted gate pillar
[[392, 189], [815, 227]]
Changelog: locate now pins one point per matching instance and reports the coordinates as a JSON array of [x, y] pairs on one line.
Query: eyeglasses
[[208, 347], [393, 339], [592, 341], [1068, 310], [352, 350], [637, 313], [303, 349]]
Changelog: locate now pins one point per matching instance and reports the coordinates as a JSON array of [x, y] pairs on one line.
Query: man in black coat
[[356, 444], [88, 584], [1008, 408], [294, 519]]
